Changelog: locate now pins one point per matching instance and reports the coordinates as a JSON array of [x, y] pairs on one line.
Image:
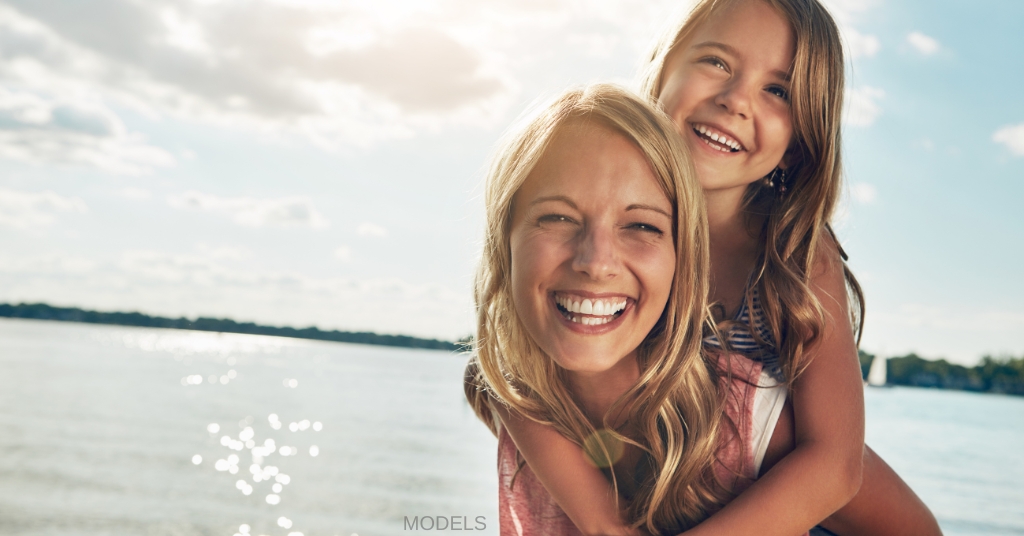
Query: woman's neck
[[597, 391]]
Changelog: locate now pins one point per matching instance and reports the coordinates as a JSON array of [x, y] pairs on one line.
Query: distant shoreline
[[42, 311], [997, 375]]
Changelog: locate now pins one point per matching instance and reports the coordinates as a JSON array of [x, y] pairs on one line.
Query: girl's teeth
[[722, 139]]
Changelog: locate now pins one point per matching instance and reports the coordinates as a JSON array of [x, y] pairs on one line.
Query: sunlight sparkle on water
[[284, 522], [314, 451], [213, 428], [243, 528], [273, 499], [197, 342], [317, 426], [197, 459]]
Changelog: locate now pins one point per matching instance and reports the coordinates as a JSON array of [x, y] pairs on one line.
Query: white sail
[[876, 375]]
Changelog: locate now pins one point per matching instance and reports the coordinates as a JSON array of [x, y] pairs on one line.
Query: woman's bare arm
[[579, 488]]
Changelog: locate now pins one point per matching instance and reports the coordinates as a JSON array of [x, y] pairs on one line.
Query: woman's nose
[[597, 254]]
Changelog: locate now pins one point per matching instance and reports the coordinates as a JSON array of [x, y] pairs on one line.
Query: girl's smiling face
[[593, 251], [727, 90]]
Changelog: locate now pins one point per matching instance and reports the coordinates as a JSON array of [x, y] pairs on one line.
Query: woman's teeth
[[722, 142], [598, 311]]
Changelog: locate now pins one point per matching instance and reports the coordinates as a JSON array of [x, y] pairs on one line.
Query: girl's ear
[[793, 156]]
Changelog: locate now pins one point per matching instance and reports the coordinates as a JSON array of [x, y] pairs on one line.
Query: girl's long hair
[[674, 410], [796, 223]]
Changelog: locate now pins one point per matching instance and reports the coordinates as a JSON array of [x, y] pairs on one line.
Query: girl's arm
[[885, 504], [823, 472], [579, 488]]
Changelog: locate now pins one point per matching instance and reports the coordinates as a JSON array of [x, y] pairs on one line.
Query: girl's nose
[[735, 97], [597, 254]]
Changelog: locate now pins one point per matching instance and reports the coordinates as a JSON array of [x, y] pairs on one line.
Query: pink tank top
[[526, 509]]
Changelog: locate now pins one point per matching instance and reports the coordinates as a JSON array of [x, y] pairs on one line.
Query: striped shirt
[[741, 337]]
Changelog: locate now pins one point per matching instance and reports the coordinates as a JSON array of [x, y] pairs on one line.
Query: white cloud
[[293, 211], [138, 194], [230, 253], [925, 143], [269, 65], [35, 209], [370, 229], [1012, 136], [343, 254], [860, 45], [72, 130], [863, 192], [862, 107], [922, 43]]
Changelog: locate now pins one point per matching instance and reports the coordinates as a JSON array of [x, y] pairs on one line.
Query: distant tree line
[[42, 311], [991, 375]]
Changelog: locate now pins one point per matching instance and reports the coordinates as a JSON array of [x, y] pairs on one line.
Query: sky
[[314, 162]]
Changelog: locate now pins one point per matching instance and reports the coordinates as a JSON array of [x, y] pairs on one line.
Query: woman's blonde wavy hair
[[797, 223], [674, 410]]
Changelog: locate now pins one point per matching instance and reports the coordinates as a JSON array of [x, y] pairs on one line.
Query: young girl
[[594, 223], [755, 88]]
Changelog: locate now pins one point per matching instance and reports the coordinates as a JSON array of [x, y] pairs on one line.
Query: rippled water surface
[[101, 426], [123, 431]]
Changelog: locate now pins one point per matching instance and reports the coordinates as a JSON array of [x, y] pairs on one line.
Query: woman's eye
[[646, 227], [555, 218], [779, 92]]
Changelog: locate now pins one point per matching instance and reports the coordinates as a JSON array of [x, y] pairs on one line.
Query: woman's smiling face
[[593, 252], [727, 90]]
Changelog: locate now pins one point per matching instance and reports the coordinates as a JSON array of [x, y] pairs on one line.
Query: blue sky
[[305, 162]]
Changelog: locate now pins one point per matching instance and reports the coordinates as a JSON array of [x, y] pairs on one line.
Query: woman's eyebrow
[[637, 206], [561, 198]]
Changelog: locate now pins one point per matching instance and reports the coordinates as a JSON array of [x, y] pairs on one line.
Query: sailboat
[[877, 372]]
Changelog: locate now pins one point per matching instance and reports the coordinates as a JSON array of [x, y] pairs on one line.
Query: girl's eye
[[716, 62], [779, 92]]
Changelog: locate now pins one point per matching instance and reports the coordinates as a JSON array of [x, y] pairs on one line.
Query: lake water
[[123, 431]]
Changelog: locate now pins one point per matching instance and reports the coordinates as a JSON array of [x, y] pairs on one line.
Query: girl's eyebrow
[[648, 207], [715, 44], [780, 74]]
